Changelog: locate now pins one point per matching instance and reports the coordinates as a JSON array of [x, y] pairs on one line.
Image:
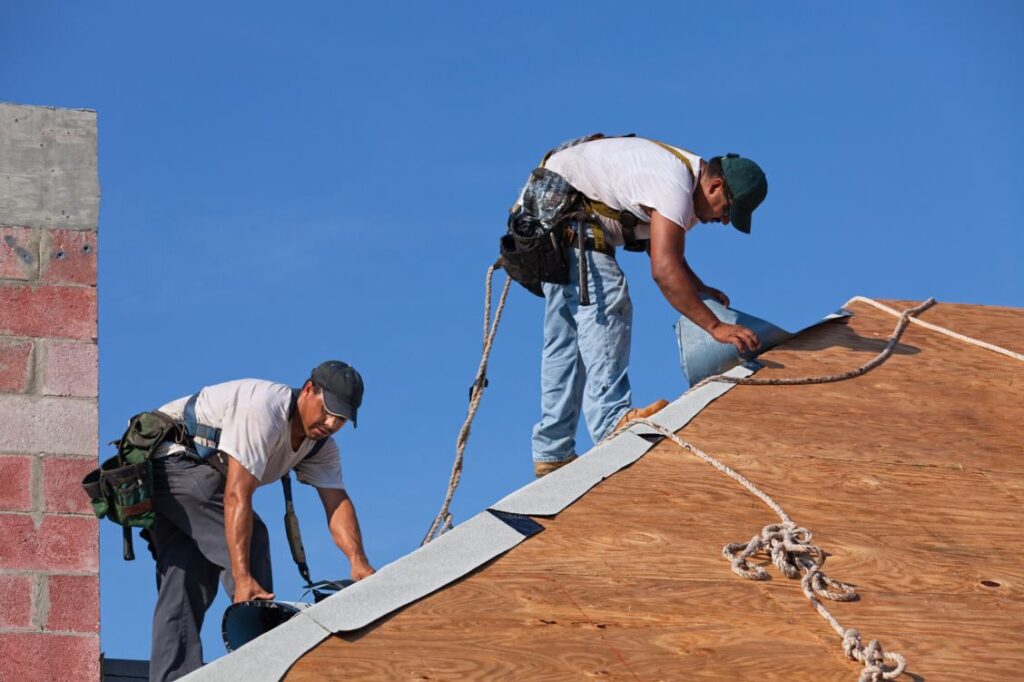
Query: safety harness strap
[[205, 440]]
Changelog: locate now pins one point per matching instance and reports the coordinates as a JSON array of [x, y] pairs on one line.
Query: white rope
[[476, 394], [791, 551], [942, 330]]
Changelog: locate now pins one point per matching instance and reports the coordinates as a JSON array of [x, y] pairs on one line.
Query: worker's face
[[317, 422], [712, 204]]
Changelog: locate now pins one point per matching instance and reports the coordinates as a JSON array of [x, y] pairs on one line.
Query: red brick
[[74, 603], [14, 363], [62, 479], [18, 550], [60, 426], [69, 257], [70, 369], [69, 543], [62, 543], [68, 312], [19, 253], [44, 657], [16, 483], [16, 601]]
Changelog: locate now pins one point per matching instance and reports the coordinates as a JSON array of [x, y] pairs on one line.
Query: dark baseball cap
[[342, 387], [748, 186]]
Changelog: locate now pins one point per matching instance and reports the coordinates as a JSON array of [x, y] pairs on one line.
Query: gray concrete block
[[48, 167]]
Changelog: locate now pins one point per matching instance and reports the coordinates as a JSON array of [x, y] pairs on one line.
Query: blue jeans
[[585, 361]]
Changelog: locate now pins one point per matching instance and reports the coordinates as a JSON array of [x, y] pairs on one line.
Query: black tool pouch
[[532, 260], [533, 250]]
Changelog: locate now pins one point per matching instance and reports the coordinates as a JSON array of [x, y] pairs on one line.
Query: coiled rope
[[793, 554], [443, 521], [789, 545]]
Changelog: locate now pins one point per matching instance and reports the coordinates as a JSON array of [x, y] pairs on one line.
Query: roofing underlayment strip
[[461, 550], [268, 657], [551, 494], [434, 565], [701, 356]]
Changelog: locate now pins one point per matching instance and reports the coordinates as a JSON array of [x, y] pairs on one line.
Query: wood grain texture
[[910, 477]]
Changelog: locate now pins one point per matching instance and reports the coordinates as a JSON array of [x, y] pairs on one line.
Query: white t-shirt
[[253, 418], [629, 173]]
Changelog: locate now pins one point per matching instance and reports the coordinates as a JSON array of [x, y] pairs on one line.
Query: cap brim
[[339, 408], [740, 217]]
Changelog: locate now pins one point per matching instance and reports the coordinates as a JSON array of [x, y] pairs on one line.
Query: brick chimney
[[49, 541]]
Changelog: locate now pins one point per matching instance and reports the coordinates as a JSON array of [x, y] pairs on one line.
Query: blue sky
[[282, 186]]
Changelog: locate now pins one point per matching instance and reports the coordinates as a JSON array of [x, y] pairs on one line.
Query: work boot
[[545, 468], [640, 413]]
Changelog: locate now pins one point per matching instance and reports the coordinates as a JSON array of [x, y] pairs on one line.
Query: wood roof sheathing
[[911, 477]]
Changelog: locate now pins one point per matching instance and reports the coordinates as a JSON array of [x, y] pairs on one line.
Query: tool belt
[[551, 218], [121, 489]]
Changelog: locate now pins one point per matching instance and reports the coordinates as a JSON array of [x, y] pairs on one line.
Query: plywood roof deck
[[911, 477]]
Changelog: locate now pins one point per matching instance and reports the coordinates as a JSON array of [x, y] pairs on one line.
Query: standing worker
[[619, 191], [206, 529]]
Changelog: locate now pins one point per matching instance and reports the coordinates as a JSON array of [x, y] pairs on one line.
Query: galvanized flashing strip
[[551, 494], [701, 356], [268, 657], [442, 561]]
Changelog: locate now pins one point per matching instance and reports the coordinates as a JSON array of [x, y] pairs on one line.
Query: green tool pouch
[[121, 490]]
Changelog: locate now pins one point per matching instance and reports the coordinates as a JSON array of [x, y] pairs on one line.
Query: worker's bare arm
[[681, 287], [703, 288], [238, 518], [344, 525]]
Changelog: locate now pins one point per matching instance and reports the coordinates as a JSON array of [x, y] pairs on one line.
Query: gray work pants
[[191, 555]]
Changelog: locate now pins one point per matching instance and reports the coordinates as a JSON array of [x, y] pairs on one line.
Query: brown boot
[[545, 468], [640, 413]]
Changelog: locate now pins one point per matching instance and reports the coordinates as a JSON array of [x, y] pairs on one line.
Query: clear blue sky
[[281, 186]]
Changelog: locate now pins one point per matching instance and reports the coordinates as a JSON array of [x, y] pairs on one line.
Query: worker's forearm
[[346, 534], [681, 291], [697, 281], [238, 532]]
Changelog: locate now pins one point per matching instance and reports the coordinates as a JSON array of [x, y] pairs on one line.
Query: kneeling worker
[[257, 432]]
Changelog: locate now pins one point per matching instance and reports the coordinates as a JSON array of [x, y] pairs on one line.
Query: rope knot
[[873, 658]]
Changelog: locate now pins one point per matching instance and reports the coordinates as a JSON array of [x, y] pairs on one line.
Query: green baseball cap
[[748, 186]]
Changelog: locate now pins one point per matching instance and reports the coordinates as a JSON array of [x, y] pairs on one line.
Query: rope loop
[[873, 658], [792, 552]]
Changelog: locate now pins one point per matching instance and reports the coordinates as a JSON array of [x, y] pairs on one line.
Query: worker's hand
[[361, 568], [716, 294], [743, 338], [248, 589]]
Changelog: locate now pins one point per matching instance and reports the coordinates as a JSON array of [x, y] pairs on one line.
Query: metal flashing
[[701, 356]]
